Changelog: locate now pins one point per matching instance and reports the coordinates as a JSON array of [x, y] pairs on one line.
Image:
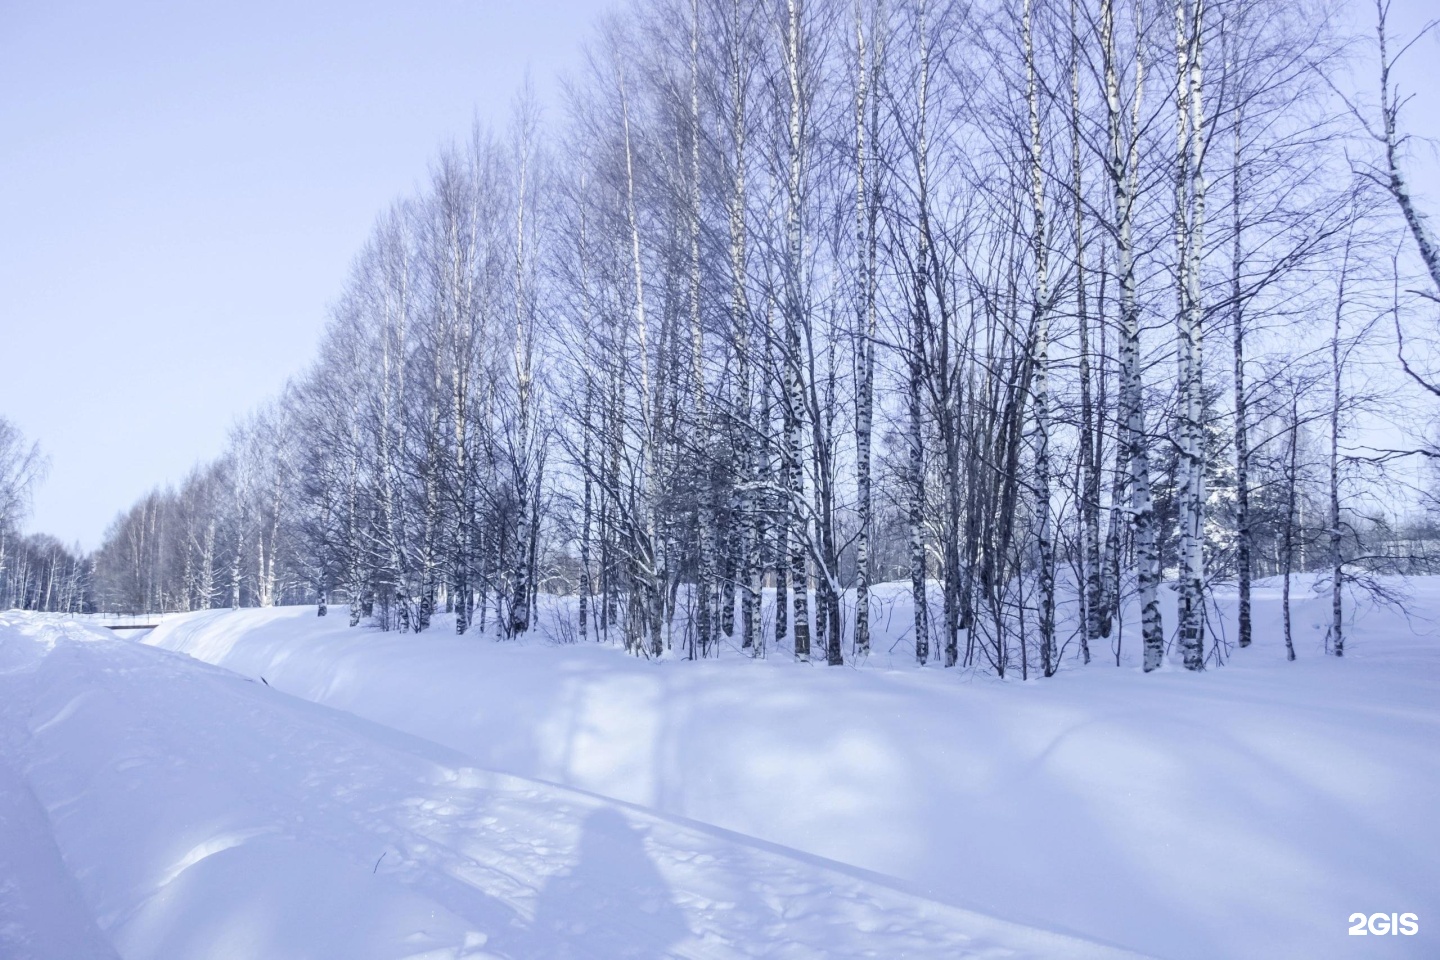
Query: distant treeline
[[1044, 304]]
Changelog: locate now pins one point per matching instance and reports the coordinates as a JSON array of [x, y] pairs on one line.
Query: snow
[[384, 795], [203, 814], [42, 914]]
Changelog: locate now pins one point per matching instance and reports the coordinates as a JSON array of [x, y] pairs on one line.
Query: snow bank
[[155, 807], [1244, 812], [42, 914]]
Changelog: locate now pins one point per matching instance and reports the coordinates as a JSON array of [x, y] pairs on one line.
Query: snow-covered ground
[[382, 795]]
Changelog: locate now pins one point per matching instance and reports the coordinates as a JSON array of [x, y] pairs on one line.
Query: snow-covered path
[[196, 813], [1242, 813]]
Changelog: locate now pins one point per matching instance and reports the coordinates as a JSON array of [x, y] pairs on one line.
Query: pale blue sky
[[183, 185]]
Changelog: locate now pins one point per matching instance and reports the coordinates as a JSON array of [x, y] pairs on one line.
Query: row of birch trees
[[1060, 313], [37, 571]]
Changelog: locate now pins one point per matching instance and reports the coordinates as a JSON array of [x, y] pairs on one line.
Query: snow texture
[[384, 796]]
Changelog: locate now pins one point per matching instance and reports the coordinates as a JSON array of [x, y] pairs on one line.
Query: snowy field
[[385, 796]]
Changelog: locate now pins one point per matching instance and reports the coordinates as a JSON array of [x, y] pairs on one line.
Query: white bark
[[1123, 170], [1190, 241], [1040, 357]]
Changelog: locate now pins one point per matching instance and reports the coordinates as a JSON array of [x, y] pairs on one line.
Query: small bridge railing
[[123, 621]]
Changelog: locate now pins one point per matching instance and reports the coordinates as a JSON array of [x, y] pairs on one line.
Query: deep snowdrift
[[155, 807], [1244, 812]]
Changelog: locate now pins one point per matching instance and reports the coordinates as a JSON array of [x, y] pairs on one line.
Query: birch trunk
[[1190, 226], [867, 66], [1122, 168], [705, 580], [1040, 358], [919, 326], [1244, 538], [1287, 555], [1092, 590], [748, 521], [1337, 370], [795, 307], [1394, 178]]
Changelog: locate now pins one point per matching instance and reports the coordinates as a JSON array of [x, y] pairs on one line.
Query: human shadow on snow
[[612, 903]]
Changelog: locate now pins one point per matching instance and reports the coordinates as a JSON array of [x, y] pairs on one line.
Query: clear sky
[[183, 185]]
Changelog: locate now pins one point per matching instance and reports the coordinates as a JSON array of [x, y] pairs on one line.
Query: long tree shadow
[[611, 903]]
